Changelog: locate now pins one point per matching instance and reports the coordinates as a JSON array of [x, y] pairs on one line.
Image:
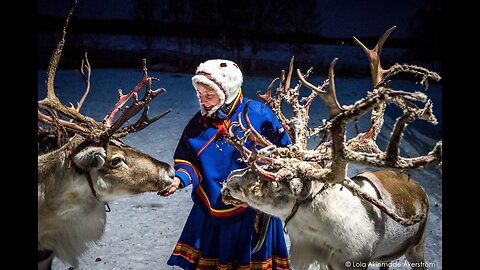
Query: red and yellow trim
[[187, 252], [206, 144], [200, 191], [203, 195], [187, 173], [194, 256], [197, 174], [214, 212]]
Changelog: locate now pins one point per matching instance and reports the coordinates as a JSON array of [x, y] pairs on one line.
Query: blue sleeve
[[185, 162], [269, 126]]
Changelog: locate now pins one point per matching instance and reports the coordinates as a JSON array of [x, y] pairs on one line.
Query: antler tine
[[267, 97], [275, 102], [55, 59], [374, 57], [314, 94], [140, 124], [391, 158], [410, 113], [253, 156], [289, 76], [51, 100], [67, 124], [86, 79], [330, 97], [87, 127], [366, 141], [399, 163], [122, 100], [132, 110], [236, 141], [256, 136]]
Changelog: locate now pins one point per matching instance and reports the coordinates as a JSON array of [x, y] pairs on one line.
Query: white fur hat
[[221, 75]]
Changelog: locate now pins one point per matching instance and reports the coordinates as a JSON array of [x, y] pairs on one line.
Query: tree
[[143, 13], [425, 30], [178, 14], [264, 17], [301, 20]]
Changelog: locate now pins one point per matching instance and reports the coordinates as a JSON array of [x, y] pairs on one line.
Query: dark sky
[[340, 18]]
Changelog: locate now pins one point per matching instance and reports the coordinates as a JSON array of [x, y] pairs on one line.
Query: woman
[[219, 236]]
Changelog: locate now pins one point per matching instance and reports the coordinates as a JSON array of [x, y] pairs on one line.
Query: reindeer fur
[[70, 216], [331, 225]]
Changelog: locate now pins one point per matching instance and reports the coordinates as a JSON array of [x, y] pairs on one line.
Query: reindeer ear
[[90, 158]]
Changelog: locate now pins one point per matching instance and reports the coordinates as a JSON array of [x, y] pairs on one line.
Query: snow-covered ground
[[142, 230]]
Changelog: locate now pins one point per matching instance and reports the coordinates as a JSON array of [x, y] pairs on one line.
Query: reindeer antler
[[366, 141], [328, 161], [87, 126]]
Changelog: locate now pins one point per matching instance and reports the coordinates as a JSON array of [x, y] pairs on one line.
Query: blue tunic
[[215, 235]]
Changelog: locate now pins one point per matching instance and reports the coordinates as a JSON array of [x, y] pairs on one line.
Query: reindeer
[[337, 222], [93, 167]]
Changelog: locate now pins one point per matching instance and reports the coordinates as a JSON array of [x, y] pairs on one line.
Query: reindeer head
[[327, 163], [274, 197], [118, 170]]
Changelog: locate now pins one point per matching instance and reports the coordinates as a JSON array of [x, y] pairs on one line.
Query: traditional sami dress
[[215, 235]]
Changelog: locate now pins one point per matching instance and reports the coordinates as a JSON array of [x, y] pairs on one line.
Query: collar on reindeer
[[69, 152], [71, 164], [89, 180], [87, 175]]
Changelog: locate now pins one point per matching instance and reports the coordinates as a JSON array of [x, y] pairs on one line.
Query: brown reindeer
[[93, 167], [337, 222]]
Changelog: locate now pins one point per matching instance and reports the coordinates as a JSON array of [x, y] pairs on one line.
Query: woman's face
[[208, 96]]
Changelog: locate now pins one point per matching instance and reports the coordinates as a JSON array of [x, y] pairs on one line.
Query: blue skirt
[[205, 244]]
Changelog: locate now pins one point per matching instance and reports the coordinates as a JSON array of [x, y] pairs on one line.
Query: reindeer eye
[[116, 161], [275, 186]]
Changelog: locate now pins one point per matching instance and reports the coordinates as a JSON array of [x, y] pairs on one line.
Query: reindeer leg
[[415, 255]]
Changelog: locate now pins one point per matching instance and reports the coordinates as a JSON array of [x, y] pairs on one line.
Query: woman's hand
[[170, 189]]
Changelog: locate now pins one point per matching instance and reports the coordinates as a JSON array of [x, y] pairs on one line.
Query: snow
[[142, 230]]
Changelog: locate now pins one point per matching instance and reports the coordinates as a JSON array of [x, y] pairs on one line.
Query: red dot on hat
[[223, 64]]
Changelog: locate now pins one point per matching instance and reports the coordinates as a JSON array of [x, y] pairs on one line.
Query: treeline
[[237, 29]]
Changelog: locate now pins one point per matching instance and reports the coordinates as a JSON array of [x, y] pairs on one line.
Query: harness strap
[[297, 205], [90, 184], [86, 173]]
